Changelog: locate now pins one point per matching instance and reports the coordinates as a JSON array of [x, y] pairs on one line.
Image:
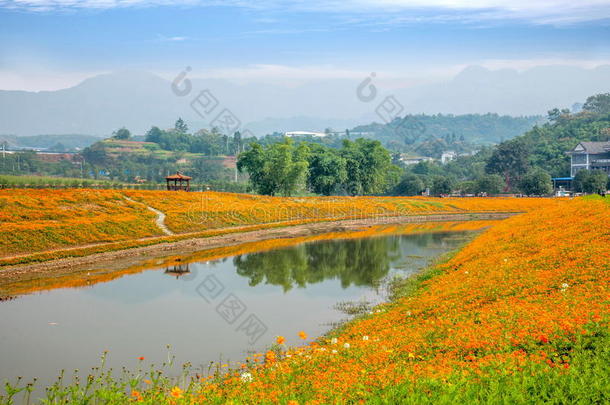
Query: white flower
[[365, 338], [246, 377], [334, 352], [408, 313], [564, 286], [334, 341], [466, 272], [346, 345]]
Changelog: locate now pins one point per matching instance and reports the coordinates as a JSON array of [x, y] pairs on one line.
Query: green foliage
[[490, 184], [598, 104], [429, 135], [359, 167], [549, 143], [536, 182], [510, 159], [590, 181], [411, 184], [181, 127], [327, 170], [441, 185], [277, 168], [122, 134], [368, 164]]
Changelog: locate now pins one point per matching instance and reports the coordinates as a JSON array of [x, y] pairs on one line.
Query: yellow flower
[[176, 392], [280, 340]]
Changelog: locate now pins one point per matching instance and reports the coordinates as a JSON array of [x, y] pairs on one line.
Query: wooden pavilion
[[180, 182]]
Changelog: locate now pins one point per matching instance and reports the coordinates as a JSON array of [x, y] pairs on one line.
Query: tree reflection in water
[[359, 262]]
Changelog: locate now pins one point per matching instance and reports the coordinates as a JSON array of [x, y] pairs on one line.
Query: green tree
[[536, 182], [599, 104], [510, 159], [288, 165], [181, 127], [490, 183], [368, 164], [238, 145], [276, 168], [121, 133], [578, 183], [441, 185], [327, 170], [154, 135], [596, 181], [411, 184]]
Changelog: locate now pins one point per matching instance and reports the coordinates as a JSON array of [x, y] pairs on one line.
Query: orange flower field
[[33, 220], [189, 212], [521, 314], [521, 295]]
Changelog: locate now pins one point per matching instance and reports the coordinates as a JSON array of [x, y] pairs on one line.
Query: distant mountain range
[[137, 100]]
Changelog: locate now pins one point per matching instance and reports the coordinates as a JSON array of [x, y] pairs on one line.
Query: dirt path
[[160, 221], [123, 258]]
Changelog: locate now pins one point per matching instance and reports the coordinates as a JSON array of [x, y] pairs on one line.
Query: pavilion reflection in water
[[179, 270]]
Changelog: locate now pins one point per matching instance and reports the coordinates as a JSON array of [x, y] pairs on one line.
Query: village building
[[407, 160], [590, 156]]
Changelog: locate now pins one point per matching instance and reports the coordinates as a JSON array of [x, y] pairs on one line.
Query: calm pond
[[206, 311]]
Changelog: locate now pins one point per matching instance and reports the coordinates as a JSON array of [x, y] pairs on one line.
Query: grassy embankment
[[519, 315], [38, 225]]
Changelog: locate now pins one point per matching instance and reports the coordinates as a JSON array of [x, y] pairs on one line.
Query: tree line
[[360, 167]]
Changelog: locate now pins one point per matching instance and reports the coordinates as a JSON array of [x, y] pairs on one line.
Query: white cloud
[[537, 11], [172, 39]]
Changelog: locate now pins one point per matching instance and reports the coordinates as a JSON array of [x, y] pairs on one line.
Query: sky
[[52, 44]]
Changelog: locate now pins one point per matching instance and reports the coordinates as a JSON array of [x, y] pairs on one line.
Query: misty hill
[[53, 142], [506, 91], [137, 100]]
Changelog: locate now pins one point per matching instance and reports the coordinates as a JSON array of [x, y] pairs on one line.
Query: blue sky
[[48, 44]]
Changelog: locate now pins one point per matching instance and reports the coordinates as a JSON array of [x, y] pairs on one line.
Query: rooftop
[[592, 147], [178, 176]]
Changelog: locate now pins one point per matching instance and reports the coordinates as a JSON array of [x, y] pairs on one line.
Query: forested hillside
[[523, 164], [429, 135]]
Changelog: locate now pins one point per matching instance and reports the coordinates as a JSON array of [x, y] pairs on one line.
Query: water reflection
[[178, 270], [361, 262], [356, 262]]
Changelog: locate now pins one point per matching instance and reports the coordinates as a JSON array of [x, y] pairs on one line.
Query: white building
[[590, 156], [448, 156]]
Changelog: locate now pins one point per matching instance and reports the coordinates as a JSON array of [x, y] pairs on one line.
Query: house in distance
[[590, 156]]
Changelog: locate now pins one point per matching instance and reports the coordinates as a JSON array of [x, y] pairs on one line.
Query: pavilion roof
[[178, 176]]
